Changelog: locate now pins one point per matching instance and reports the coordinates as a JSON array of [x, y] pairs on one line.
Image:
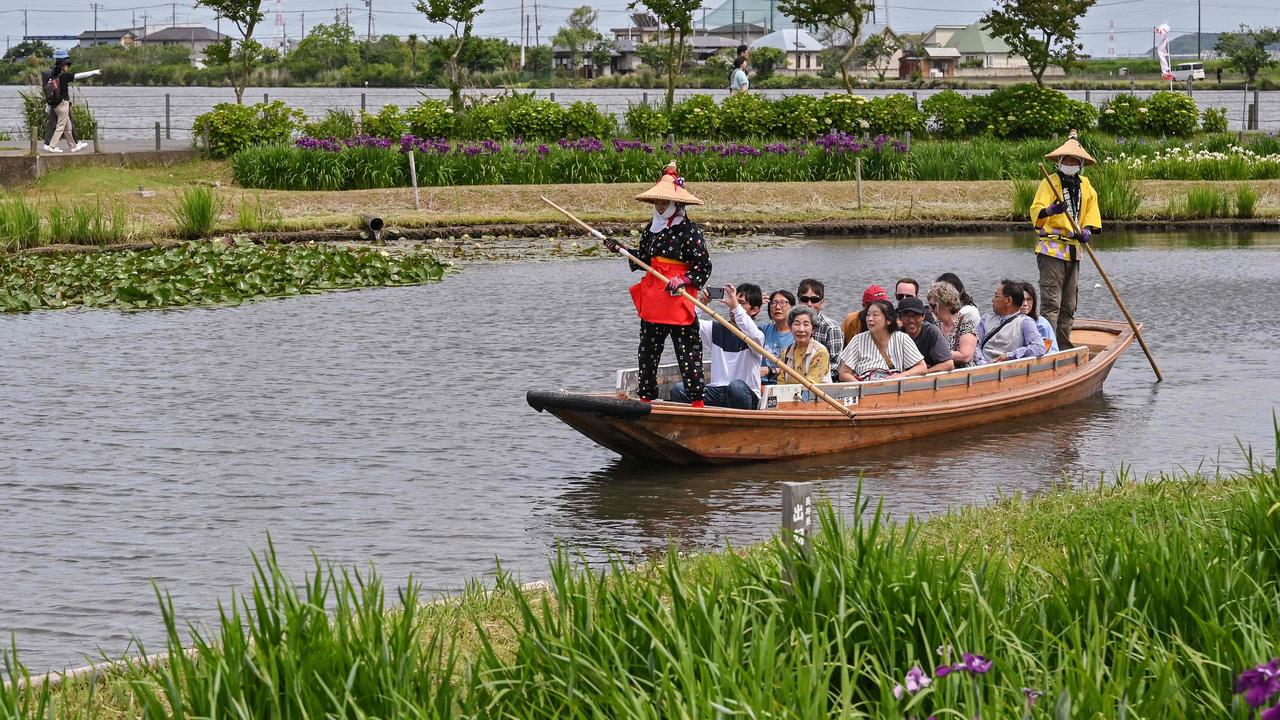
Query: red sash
[[654, 304]]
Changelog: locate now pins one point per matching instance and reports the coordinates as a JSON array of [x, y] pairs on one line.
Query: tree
[[29, 48], [677, 15], [876, 51], [538, 60], [601, 54], [578, 35], [413, 54], [460, 16], [1246, 50], [245, 15], [653, 55], [325, 49], [1041, 31], [843, 17], [766, 60]]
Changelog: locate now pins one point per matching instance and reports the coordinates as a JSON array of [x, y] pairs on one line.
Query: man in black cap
[[927, 337]]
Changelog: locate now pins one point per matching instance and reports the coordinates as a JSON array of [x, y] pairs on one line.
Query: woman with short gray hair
[[810, 358], [959, 328]]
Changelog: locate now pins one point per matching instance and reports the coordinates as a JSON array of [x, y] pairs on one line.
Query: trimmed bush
[[429, 118], [537, 119], [1027, 111], [1171, 113], [746, 115], [584, 119], [952, 115], [1122, 115], [798, 116], [389, 122], [647, 121], [843, 112], [231, 127], [895, 114], [696, 117]]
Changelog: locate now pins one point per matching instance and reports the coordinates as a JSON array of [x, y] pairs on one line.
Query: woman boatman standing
[[674, 246]]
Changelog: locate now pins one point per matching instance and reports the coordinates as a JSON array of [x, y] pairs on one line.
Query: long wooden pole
[[1114, 293], [795, 374]]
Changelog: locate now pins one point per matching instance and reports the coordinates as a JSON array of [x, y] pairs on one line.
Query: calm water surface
[[390, 425]]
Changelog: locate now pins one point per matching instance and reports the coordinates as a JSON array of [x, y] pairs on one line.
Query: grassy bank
[[1130, 599], [739, 203]]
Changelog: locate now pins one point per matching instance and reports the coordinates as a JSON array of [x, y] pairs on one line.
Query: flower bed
[[1197, 162], [364, 162]]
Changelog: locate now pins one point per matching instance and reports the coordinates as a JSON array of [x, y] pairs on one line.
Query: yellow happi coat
[[1056, 237]]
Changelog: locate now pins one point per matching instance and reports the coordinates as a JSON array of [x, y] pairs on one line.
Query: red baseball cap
[[873, 293]]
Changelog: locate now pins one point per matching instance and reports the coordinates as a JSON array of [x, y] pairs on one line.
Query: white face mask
[[660, 219], [1068, 169]]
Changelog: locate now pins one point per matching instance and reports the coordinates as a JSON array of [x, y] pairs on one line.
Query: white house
[[802, 49]]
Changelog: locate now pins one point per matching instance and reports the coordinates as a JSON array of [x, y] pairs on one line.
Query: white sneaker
[[80, 146], [48, 148]]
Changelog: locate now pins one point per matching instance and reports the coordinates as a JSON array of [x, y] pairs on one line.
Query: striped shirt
[[863, 357]]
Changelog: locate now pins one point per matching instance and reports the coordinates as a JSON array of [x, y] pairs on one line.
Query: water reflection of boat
[[886, 411]]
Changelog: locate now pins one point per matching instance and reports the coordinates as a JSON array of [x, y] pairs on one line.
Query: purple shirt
[[1026, 340]]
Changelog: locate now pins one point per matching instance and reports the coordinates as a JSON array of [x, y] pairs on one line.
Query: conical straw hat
[[1072, 148], [670, 188]]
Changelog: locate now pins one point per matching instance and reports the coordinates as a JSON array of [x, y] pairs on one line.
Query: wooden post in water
[[168, 123], [797, 512], [413, 178], [857, 174], [364, 98]]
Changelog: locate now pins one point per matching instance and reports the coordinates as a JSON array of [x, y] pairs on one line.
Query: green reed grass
[[20, 226], [1205, 201], [86, 224], [1022, 193], [1133, 600], [1119, 196], [1246, 201], [256, 216], [195, 210]]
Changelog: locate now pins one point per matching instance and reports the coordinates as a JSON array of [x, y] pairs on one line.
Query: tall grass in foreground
[[257, 216], [1022, 193], [84, 224], [19, 224], [1205, 201], [1139, 600], [194, 211], [1246, 201], [1119, 196]]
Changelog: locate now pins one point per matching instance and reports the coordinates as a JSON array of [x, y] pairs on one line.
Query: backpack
[[52, 90]]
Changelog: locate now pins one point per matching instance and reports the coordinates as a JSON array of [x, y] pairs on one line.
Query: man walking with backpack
[[57, 95]]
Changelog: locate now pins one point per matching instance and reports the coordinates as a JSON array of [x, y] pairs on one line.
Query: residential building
[[764, 13], [978, 49], [803, 51], [963, 51], [929, 62], [195, 37], [92, 38]]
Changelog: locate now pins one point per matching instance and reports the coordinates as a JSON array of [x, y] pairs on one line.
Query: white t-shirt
[[739, 81], [863, 357], [731, 358]]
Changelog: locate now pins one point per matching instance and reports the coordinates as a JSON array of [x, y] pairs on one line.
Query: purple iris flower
[[543, 149], [1032, 695], [914, 682], [969, 662], [1259, 684], [1271, 713]]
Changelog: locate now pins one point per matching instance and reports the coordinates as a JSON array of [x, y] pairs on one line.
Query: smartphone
[[715, 293]]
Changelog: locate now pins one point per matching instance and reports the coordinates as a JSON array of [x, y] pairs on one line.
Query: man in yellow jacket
[[1058, 248]]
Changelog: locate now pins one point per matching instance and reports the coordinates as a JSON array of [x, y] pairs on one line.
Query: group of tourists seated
[[899, 336]]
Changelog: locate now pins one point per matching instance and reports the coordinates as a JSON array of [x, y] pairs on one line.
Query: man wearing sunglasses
[[813, 294], [910, 288]]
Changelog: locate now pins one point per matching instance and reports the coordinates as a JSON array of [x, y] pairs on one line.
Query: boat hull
[[885, 412]]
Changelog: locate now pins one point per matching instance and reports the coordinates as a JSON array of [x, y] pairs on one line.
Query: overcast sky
[[1133, 18]]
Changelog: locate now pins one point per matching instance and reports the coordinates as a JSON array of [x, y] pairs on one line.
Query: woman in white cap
[[1058, 249], [674, 246]]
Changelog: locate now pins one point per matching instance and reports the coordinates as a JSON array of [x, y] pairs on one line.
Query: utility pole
[[1198, 18], [302, 25], [522, 34], [25, 29], [173, 19], [368, 33], [144, 25], [537, 25], [771, 15], [96, 7]]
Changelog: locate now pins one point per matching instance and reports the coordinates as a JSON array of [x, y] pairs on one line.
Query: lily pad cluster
[[203, 274]]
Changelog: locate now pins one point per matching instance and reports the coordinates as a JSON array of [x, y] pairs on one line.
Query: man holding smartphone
[[735, 367]]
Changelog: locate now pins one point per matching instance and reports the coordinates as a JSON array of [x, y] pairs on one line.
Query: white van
[[1190, 70]]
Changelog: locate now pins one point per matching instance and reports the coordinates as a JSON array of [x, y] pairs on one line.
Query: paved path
[[20, 146]]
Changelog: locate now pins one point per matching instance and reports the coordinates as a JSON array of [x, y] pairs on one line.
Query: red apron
[[654, 304]]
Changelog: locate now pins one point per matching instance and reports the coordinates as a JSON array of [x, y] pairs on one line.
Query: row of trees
[[1045, 32]]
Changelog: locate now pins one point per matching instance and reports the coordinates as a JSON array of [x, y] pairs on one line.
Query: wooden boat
[[791, 424]]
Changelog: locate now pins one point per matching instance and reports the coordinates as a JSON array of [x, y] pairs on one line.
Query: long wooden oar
[[1114, 293], [795, 374]]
